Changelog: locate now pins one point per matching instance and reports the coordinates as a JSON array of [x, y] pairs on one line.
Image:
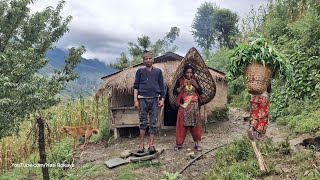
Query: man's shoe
[[152, 149], [140, 149], [198, 148]]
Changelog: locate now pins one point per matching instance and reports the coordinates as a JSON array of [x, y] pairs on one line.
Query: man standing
[[148, 95]]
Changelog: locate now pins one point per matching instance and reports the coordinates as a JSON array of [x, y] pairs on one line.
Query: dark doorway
[[170, 114]]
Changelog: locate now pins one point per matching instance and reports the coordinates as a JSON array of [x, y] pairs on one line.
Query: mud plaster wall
[[220, 100]]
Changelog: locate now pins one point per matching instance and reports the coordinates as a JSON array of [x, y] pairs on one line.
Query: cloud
[[105, 27]]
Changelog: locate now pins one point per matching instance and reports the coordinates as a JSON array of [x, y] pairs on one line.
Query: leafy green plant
[[261, 51], [218, 115], [171, 176]]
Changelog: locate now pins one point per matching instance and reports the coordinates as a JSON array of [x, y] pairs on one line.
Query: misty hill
[[90, 71]]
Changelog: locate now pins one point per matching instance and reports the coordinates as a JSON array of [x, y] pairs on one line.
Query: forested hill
[[90, 71]]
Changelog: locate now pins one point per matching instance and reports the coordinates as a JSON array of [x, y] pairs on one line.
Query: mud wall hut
[[118, 87]]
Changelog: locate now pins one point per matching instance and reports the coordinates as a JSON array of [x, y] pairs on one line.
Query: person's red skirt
[[259, 114]]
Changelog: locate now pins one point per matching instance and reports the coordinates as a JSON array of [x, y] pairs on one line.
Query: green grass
[[127, 173], [306, 122], [87, 171], [237, 161], [306, 160], [62, 153], [301, 116], [21, 173], [171, 176], [141, 164]]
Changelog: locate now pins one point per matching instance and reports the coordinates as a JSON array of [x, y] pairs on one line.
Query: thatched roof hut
[[123, 80], [119, 85]]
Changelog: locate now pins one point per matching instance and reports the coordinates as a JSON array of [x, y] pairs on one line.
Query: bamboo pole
[[262, 165], [161, 119], [205, 119]]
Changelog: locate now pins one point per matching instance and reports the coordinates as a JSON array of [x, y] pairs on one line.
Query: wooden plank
[[168, 127], [126, 125], [125, 116], [122, 108], [111, 118], [116, 134]]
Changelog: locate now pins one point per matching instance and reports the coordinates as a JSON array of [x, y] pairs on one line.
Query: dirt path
[[171, 161]]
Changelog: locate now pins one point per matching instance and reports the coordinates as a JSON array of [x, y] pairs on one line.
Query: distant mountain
[[90, 73]]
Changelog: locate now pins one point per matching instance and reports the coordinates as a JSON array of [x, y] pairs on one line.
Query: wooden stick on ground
[[160, 118], [197, 157], [205, 115], [262, 164]]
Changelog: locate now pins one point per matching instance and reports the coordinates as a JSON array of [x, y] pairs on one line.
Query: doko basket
[[258, 77], [201, 73]]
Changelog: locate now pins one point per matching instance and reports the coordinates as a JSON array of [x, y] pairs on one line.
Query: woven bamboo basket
[[258, 77], [202, 74]]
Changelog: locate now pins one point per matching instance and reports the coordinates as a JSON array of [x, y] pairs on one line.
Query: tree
[[225, 25], [203, 27], [219, 59], [213, 25], [163, 45], [122, 62], [24, 40], [136, 49]]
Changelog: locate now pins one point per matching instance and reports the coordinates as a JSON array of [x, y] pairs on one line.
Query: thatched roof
[[123, 80]]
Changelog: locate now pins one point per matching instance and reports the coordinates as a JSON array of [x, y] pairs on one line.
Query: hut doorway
[[170, 114]]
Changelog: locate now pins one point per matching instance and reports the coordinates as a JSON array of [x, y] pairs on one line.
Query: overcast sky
[[105, 27]]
